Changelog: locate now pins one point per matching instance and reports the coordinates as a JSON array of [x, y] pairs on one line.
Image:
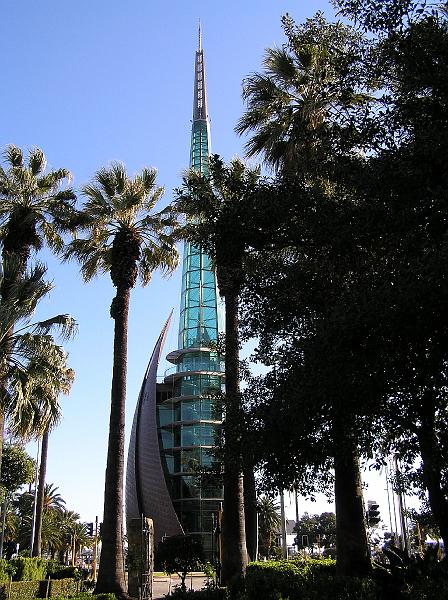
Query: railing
[[212, 366]]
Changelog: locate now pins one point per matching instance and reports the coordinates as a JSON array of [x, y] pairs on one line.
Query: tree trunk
[[111, 570], [234, 560], [2, 429], [353, 557], [431, 465], [250, 513], [40, 496]]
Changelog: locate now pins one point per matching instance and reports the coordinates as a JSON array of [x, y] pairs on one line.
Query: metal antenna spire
[[199, 37]]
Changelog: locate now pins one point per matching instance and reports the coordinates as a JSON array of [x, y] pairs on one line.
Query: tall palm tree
[[33, 370], [29, 356], [297, 110], [218, 218], [127, 239], [36, 207], [66, 520]]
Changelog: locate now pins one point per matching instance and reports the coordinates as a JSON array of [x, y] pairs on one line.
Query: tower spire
[[200, 108]]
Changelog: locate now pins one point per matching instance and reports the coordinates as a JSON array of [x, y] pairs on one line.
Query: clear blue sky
[[94, 81]]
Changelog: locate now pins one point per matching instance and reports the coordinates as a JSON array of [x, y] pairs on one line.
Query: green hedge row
[[317, 580], [30, 569], [305, 580], [29, 590]]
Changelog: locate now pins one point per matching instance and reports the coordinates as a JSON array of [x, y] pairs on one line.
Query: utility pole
[[297, 506], [283, 519], [404, 529], [95, 550]]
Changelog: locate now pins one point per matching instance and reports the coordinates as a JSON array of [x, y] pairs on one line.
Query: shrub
[[66, 573], [206, 594], [311, 579], [6, 570], [63, 587], [20, 590], [29, 569]]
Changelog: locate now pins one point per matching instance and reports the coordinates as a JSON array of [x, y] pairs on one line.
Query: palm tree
[[269, 522], [129, 240], [29, 357], [304, 84], [33, 370], [52, 498], [52, 389], [218, 218], [65, 520], [35, 207]]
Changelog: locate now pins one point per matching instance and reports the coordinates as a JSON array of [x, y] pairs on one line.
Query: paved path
[[162, 585]]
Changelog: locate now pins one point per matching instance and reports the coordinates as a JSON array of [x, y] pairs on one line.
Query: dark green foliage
[[180, 554], [205, 594], [404, 571], [17, 467], [66, 573], [320, 530]]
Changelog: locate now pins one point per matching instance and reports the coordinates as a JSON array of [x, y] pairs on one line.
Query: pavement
[[163, 585]]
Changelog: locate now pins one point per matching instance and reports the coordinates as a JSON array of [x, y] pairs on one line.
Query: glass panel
[[190, 487], [191, 410], [165, 412], [190, 460]]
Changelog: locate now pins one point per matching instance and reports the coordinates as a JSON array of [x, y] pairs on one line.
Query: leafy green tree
[[217, 219], [180, 554], [18, 467], [129, 241], [268, 524], [302, 110], [320, 530], [407, 140]]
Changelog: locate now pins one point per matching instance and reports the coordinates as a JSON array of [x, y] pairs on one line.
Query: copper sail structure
[[186, 406], [146, 490]]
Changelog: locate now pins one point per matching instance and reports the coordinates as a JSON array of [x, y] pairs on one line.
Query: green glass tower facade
[[189, 413]]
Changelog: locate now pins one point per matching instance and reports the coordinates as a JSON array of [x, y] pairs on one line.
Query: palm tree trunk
[[233, 528], [351, 539], [111, 572], [40, 496], [2, 427]]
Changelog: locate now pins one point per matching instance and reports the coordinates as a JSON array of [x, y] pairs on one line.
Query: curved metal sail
[[146, 490]]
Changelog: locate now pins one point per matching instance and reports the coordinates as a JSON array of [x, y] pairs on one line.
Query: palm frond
[[37, 161], [14, 156], [65, 326]]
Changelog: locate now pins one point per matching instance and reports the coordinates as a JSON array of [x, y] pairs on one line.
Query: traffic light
[[89, 528], [373, 514]]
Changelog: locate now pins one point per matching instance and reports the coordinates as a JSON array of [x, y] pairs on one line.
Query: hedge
[[29, 590], [317, 580]]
